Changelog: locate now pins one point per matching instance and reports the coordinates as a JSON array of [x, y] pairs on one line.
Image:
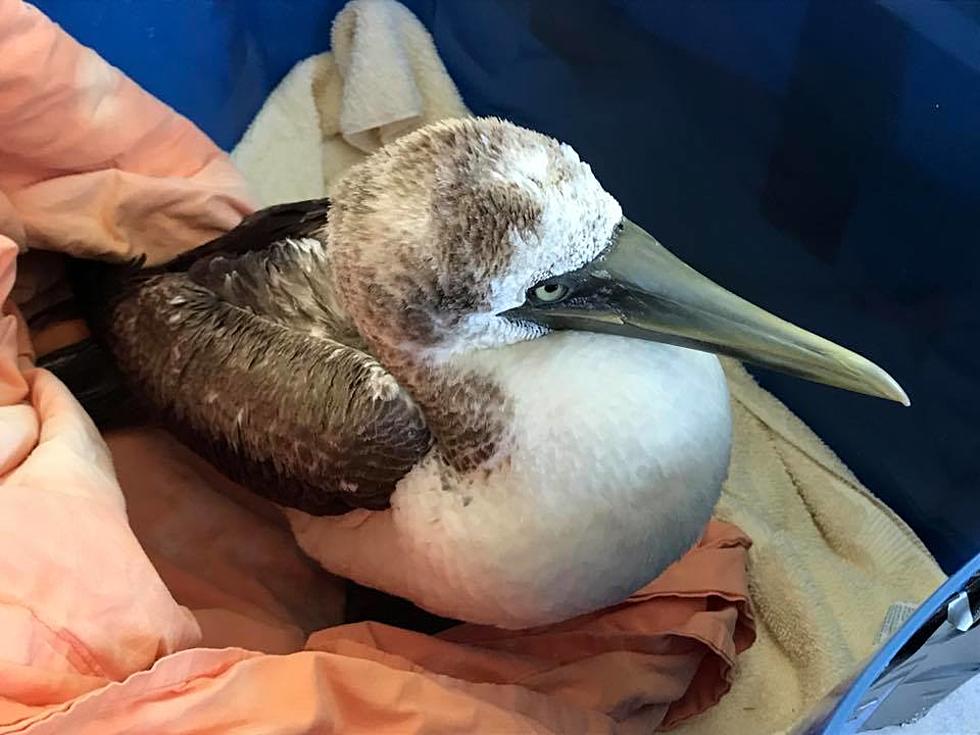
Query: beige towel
[[383, 79], [828, 558]]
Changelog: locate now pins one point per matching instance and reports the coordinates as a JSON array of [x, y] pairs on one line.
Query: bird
[[467, 378]]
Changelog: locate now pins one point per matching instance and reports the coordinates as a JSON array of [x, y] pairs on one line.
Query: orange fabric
[[110, 596], [93, 164]]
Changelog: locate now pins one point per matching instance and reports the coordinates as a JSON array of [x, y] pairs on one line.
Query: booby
[[470, 380]]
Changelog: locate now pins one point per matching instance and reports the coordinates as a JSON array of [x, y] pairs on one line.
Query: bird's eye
[[549, 293]]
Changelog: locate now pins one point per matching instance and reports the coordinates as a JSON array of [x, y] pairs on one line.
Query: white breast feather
[[620, 449]]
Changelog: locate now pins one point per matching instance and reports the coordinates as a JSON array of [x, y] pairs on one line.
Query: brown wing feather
[[257, 231], [305, 421]]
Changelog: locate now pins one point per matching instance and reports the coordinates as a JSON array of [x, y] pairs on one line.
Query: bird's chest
[[615, 456]]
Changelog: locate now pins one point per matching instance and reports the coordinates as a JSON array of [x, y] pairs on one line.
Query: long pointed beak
[[637, 288]]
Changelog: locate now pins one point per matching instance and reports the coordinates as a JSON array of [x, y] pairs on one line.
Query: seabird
[[468, 378]]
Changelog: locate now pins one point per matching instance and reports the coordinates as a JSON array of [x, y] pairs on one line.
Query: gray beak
[[638, 289]]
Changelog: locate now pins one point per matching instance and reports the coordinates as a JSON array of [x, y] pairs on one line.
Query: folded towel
[[383, 79], [818, 535]]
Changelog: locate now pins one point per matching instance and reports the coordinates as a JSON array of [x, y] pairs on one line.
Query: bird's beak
[[637, 288]]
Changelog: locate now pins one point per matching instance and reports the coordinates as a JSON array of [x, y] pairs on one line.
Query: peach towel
[[96, 630]]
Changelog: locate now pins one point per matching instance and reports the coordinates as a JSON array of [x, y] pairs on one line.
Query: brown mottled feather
[[259, 230], [306, 421], [303, 419]]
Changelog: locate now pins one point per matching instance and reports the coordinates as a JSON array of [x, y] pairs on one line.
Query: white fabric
[[383, 79], [958, 714], [828, 558]]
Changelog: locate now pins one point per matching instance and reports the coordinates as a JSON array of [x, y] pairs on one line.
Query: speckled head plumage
[[442, 231]]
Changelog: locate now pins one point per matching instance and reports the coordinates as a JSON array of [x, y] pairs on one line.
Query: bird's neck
[[465, 409]]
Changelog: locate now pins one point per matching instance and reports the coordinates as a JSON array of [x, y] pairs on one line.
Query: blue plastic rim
[[838, 713]]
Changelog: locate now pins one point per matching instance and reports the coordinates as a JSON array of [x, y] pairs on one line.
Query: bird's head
[[476, 233]]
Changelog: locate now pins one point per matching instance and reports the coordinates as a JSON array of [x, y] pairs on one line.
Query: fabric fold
[[94, 165], [383, 78]]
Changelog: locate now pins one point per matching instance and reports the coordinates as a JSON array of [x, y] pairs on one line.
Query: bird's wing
[[255, 233], [302, 418], [281, 244], [306, 421]]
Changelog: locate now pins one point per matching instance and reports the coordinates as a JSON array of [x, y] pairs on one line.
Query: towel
[[382, 79], [827, 563], [140, 591], [818, 534]]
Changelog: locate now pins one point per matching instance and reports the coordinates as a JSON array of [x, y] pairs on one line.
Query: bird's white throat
[[619, 448]]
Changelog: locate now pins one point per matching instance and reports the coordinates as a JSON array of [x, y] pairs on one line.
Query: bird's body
[[392, 367], [609, 457]]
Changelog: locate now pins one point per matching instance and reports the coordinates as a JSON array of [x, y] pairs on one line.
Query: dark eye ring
[[549, 293]]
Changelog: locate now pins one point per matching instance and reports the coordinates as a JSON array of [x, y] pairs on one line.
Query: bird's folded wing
[[256, 232], [304, 420]]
